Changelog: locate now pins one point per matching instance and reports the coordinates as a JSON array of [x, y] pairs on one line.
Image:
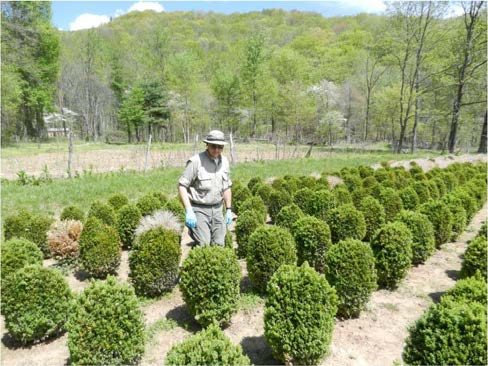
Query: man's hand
[[228, 216], [190, 218]]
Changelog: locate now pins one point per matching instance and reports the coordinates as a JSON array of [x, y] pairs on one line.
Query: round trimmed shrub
[[441, 186], [36, 303], [449, 333], [352, 181], [346, 222], [433, 190], [475, 258], [148, 204], [72, 213], [357, 196], [228, 243], [299, 315], [469, 203], [246, 223], [239, 195], [107, 325], [384, 175], [31, 226], [342, 195], [410, 198], [450, 180], [477, 189], [422, 191], [321, 203], [483, 230], [374, 215], [350, 269], [263, 191], [303, 198], [18, 253], [440, 217], [459, 219], [468, 289], [118, 200], [268, 248], [312, 239], [128, 218], [253, 181], [369, 181], [209, 283], [278, 184], [392, 248], [288, 215], [391, 202], [290, 185], [423, 239], [307, 181], [256, 204], [365, 171], [99, 248], [208, 347], [154, 262], [103, 212], [277, 200], [162, 198], [175, 206]]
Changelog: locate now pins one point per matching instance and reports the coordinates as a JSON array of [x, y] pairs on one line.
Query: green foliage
[[253, 182], [107, 326], [322, 201], [365, 171], [475, 257], [423, 239], [239, 195], [148, 204], [36, 303], [175, 206], [33, 227], [268, 248], [228, 243], [346, 222], [208, 347], [312, 239], [422, 191], [350, 269], [299, 315], [154, 262], [449, 333], [374, 215], [441, 186], [342, 195], [264, 191], [103, 212], [303, 198], [118, 200], [352, 181], [469, 203], [99, 248], [18, 253], [256, 204], [288, 215], [72, 213], [468, 290], [209, 283], [392, 203], [459, 219], [433, 190], [277, 200], [392, 248], [410, 198], [441, 218], [247, 222], [128, 218]]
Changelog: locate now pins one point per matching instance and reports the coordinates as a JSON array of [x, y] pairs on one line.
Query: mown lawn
[[82, 191]]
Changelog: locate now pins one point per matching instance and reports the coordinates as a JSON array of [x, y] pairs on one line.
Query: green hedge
[[346, 222], [246, 223], [118, 200], [441, 218], [72, 213], [128, 218], [288, 215], [374, 215], [18, 253], [475, 257], [103, 212]]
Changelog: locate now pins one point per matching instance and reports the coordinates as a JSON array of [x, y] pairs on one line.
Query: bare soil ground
[[375, 338]]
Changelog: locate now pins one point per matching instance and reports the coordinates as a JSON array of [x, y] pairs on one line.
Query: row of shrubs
[[453, 332]]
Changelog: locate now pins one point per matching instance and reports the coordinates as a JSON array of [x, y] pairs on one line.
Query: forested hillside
[[412, 78]]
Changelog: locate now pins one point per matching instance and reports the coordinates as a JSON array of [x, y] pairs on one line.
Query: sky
[[76, 15]]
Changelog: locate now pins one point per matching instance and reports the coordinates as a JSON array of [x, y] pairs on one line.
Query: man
[[203, 186]]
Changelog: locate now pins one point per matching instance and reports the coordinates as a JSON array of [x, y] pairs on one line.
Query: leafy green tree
[[131, 112]]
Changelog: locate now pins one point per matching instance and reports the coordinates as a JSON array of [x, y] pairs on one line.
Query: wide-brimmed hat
[[215, 137]]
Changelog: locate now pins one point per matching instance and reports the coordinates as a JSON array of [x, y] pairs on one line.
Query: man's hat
[[215, 137]]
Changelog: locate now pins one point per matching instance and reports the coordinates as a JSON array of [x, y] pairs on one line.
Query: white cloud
[[367, 6], [141, 6], [119, 12], [85, 21], [455, 10]]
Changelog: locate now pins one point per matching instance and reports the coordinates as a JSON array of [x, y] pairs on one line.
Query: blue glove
[[190, 218], [228, 216]]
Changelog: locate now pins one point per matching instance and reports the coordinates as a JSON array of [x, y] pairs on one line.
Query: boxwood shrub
[[342, 195], [475, 257], [410, 198], [118, 200], [239, 195], [107, 326], [72, 213], [148, 204], [263, 191], [128, 218], [374, 215], [312, 240], [99, 248], [469, 203], [433, 190], [423, 239], [290, 184], [246, 223], [268, 248], [441, 186], [255, 203], [365, 171], [299, 315], [63, 240], [36, 303], [209, 282], [154, 261], [18, 253], [288, 215], [468, 289], [321, 203], [175, 206], [422, 191], [449, 333], [350, 269], [441, 218], [277, 200], [208, 347], [103, 212], [31, 226], [253, 181], [392, 203], [346, 222], [392, 248], [303, 198], [352, 181]]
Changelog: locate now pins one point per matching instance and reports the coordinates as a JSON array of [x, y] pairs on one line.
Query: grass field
[[51, 197]]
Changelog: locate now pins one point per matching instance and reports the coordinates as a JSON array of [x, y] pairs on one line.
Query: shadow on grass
[[183, 318], [81, 275], [453, 274], [436, 296], [9, 342], [258, 351]]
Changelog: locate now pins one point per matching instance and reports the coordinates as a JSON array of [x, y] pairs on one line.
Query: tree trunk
[[416, 116], [482, 147]]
